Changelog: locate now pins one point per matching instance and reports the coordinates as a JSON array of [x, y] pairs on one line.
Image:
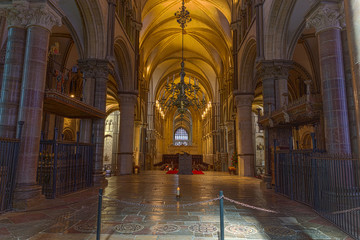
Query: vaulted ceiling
[[207, 42]]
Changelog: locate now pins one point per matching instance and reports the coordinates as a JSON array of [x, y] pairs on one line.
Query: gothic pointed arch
[[93, 23]]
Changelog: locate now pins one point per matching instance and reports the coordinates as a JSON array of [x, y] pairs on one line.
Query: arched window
[[181, 137]]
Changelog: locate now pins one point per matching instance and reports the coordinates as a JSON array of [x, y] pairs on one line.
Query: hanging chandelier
[[182, 95]]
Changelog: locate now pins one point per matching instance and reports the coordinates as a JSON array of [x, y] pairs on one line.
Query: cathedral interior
[[112, 93]]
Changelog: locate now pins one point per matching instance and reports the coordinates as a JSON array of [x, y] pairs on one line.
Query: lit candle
[[178, 192]]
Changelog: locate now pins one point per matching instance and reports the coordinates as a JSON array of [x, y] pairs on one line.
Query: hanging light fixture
[[182, 95]]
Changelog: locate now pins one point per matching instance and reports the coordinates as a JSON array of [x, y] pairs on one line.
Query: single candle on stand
[[178, 192]]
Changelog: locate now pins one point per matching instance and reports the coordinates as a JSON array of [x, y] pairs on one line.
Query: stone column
[[111, 29], [101, 74], [349, 91], [259, 29], [281, 83], [352, 9], [88, 68], [235, 27], [325, 19], [41, 19], [127, 110], [244, 134], [13, 68], [137, 133]]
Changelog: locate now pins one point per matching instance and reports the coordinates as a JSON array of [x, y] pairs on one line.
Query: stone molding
[[25, 14], [326, 16]]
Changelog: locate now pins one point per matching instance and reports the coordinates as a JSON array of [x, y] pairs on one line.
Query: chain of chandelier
[[182, 95]]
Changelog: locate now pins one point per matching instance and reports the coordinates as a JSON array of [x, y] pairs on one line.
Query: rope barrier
[[346, 211], [249, 206], [183, 205], [164, 205]]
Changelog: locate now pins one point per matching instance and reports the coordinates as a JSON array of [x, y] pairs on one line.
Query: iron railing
[[9, 151], [64, 167], [329, 184]]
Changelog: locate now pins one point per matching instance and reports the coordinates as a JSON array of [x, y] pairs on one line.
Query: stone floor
[[131, 211]]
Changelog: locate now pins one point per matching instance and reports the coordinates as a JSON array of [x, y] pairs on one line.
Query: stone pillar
[[111, 29], [137, 134], [235, 28], [13, 68], [259, 29], [349, 93], [281, 83], [352, 9], [87, 67], [101, 74], [41, 19], [127, 110], [244, 134], [326, 22]]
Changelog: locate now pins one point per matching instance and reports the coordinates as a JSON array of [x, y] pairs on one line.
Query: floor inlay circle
[[165, 228], [240, 229], [85, 227], [128, 228], [279, 231], [202, 228]]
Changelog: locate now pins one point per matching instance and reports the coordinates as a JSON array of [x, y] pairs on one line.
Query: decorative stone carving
[[324, 17], [272, 69], [16, 14], [95, 68], [23, 14]]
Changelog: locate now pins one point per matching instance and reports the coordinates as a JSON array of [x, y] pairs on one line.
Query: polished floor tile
[[145, 207]]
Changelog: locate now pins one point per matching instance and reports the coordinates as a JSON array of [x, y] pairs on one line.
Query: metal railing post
[[222, 233], [76, 159], [55, 150], [98, 229]]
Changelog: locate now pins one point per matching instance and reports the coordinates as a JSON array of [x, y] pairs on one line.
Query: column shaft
[[352, 9], [333, 92], [31, 110], [244, 134], [126, 136], [99, 127], [11, 83]]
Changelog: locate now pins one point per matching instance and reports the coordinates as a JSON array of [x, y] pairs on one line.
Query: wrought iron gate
[[9, 151], [329, 184], [64, 167]]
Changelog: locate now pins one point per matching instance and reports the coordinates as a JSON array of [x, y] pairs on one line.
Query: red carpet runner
[[176, 171]]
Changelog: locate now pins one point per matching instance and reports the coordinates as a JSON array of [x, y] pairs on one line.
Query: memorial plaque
[[185, 164]]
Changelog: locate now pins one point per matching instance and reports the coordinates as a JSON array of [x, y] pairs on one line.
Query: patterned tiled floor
[[156, 214]]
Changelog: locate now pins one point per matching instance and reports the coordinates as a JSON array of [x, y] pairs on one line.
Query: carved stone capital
[[244, 100], [95, 68], [274, 69], [24, 14], [325, 16], [43, 15], [16, 13]]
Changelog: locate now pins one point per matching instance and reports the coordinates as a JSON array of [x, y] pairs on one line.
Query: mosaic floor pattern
[[74, 217]]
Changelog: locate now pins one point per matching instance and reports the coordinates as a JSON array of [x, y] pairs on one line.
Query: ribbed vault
[[207, 42]]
